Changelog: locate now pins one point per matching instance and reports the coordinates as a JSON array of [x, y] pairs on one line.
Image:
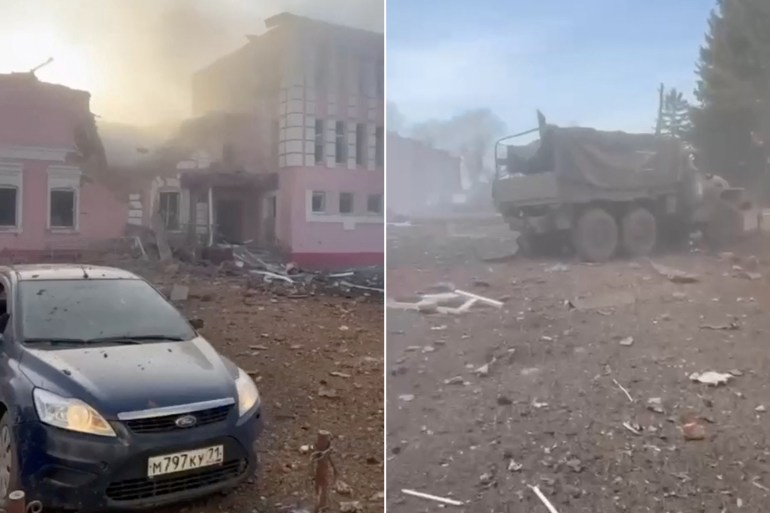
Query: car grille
[[167, 423], [146, 488]]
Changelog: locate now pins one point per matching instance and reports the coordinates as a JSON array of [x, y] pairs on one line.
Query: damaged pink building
[[51, 196], [305, 168]]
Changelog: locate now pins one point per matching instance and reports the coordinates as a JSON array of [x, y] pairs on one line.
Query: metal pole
[[211, 215]]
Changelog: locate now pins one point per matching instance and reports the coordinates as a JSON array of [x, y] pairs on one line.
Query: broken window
[[379, 147], [346, 203], [340, 143], [319, 141], [361, 144], [169, 209], [62, 205], [8, 206], [319, 202], [374, 204]]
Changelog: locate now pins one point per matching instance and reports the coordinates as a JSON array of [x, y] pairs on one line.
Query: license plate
[[186, 460]]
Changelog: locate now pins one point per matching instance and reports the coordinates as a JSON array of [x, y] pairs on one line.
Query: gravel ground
[[554, 409]]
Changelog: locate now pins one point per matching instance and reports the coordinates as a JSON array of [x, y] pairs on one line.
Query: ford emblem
[[186, 421]]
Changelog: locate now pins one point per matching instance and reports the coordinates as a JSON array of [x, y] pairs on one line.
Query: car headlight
[[248, 395], [71, 414]]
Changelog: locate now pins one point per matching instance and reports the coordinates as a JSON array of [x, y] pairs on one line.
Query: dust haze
[[145, 51]]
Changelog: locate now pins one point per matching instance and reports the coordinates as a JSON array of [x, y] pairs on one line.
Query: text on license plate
[[186, 460]]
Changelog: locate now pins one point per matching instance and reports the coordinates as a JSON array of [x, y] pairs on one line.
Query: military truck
[[608, 193]]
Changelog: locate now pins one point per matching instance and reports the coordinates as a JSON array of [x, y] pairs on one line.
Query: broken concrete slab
[[179, 293]]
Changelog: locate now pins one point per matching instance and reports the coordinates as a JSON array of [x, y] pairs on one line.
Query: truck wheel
[[639, 231], [596, 235], [724, 226]]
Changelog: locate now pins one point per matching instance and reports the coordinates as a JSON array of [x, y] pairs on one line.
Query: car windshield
[[93, 310]]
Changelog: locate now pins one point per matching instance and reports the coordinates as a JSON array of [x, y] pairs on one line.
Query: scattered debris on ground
[[591, 403]]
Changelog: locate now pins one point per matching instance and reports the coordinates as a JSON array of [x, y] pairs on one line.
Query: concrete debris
[[747, 275], [482, 371], [627, 341], [406, 397], [327, 392], [513, 466], [732, 326], [457, 380], [655, 404], [602, 301], [557, 268], [760, 409], [179, 293], [674, 275], [304, 449], [711, 378], [351, 507], [342, 488]]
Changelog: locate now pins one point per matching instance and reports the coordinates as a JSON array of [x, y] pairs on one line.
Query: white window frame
[[64, 178], [11, 178], [325, 205]]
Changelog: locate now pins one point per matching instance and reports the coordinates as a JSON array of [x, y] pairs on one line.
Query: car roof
[[27, 272]]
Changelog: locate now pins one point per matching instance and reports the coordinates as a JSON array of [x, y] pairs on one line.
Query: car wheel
[[9, 468], [639, 232]]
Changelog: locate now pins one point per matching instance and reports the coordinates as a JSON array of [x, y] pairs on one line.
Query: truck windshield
[[92, 309]]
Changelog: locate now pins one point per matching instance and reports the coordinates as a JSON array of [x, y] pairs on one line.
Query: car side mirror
[[196, 323]]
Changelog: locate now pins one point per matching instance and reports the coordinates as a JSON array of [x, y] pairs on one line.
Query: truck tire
[[639, 232], [596, 235]]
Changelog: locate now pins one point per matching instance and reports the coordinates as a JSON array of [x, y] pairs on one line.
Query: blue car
[[110, 399]]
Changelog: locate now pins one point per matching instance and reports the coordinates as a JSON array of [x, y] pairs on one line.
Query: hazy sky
[[589, 62], [136, 57]]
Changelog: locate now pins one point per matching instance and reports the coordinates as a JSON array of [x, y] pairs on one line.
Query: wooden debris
[[674, 275], [325, 473]]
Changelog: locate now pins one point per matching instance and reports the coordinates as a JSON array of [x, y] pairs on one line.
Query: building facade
[[51, 197], [315, 93]]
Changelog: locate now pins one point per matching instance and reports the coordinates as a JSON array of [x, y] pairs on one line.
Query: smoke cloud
[[140, 54]]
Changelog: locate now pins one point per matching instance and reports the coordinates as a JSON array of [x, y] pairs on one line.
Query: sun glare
[[31, 46]]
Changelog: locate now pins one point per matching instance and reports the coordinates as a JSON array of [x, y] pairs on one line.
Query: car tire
[[639, 231], [9, 461], [595, 235]]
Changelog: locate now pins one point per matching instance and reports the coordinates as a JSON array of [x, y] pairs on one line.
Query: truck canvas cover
[[606, 160]]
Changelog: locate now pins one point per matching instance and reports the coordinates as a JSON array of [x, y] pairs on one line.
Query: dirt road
[[292, 347], [554, 409]]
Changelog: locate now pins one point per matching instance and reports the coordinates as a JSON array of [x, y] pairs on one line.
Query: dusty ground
[[551, 411], [292, 346]]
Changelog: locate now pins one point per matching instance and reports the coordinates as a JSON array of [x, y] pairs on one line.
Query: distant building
[[52, 193], [298, 155], [421, 180]]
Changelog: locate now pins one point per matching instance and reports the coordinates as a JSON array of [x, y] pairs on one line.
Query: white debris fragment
[[627, 341], [711, 378], [430, 497], [513, 466], [482, 371], [760, 409], [406, 397]]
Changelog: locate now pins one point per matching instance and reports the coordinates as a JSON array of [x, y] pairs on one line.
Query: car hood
[[125, 378]]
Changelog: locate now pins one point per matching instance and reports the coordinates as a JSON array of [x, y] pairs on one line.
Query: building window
[[379, 77], [379, 147], [272, 206], [374, 204], [319, 141], [63, 203], [341, 145], [346, 203], [8, 207], [319, 202], [361, 144], [169, 209]]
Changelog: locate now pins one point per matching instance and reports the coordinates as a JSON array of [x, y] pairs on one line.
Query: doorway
[[229, 216]]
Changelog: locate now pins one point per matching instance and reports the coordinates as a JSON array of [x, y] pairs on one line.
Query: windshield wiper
[[135, 339], [55, 341]]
